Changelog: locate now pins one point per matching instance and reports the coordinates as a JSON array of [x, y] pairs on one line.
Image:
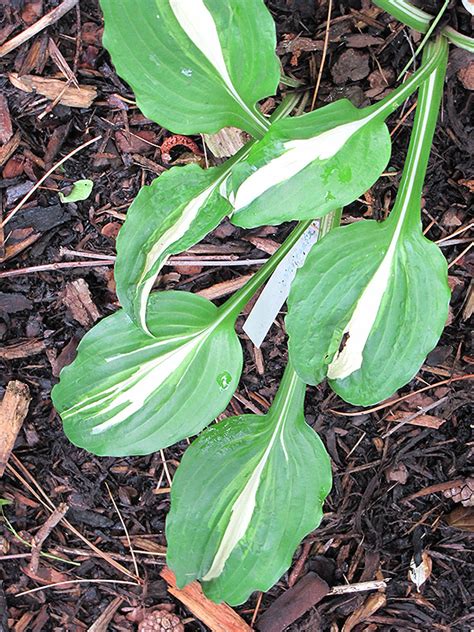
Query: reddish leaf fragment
[[178, 141]]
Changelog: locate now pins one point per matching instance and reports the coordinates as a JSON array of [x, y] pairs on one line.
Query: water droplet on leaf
[[224, 379]]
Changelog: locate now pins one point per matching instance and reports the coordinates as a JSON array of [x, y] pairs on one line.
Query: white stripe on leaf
[[244, 507], [362, 321], [197, 22], [171, 236], [129, 395], [298, 154]]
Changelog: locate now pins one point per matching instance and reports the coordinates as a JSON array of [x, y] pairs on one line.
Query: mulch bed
[[391, 499]]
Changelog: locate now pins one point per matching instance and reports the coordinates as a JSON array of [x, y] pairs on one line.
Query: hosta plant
[[364, 310]]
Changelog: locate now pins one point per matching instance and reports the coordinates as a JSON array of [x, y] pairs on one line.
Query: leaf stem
[[426, 37], [292, 388], [285, 107], [407, 13], [233, 306], [259, 124], [421, 21], [459, 39], [435, 55], [290, 395], [408, 202]]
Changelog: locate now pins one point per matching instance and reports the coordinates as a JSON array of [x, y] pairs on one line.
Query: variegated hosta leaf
[[176, 211], [309, 165], [127, 393], [195, 66], [322, 160], [372, 299], [380, 297], [245, 494]]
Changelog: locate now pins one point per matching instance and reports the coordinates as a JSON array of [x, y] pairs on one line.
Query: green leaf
[[130, 393], [176, 211], [307, 163], [245, 494], [127, 393], [382, 298], [80, 191], [196, 66], [4, 501], [372, 299], [322, 160], [407, 13]]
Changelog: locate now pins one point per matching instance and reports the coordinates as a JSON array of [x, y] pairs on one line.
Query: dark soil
[[372, 527]]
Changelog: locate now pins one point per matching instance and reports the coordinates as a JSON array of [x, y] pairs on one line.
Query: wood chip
[[397, 473], [22, 349], [352, 65], [13, 411], [373, 603], [67, 355], [225, 288], [55, 90], [10, 147], [145, 544], [468, 309], [3, 610], [226, 142], [102, 623], [78, 300], [14, 249], [269, 246], [6, 131], [433, 489], [44, 531], [11, 303], [293, 603], [149, 164], [425, 421], [50, 18], [461, 518], [218, 617], [363, 40]]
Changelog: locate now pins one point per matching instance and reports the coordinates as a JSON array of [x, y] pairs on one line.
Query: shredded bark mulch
[[402, 496]]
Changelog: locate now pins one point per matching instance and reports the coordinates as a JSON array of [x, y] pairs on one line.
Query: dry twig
[[50, 18]]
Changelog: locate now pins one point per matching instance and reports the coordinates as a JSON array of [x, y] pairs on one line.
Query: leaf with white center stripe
[[322, 160], [372, 299], [176, 211], [128, 393], [245, 494], [195, 65]]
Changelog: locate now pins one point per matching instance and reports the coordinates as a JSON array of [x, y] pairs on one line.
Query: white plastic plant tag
[[277, 289], [469, 6]]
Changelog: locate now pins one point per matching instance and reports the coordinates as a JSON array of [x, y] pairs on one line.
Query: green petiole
[[422, 21]]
